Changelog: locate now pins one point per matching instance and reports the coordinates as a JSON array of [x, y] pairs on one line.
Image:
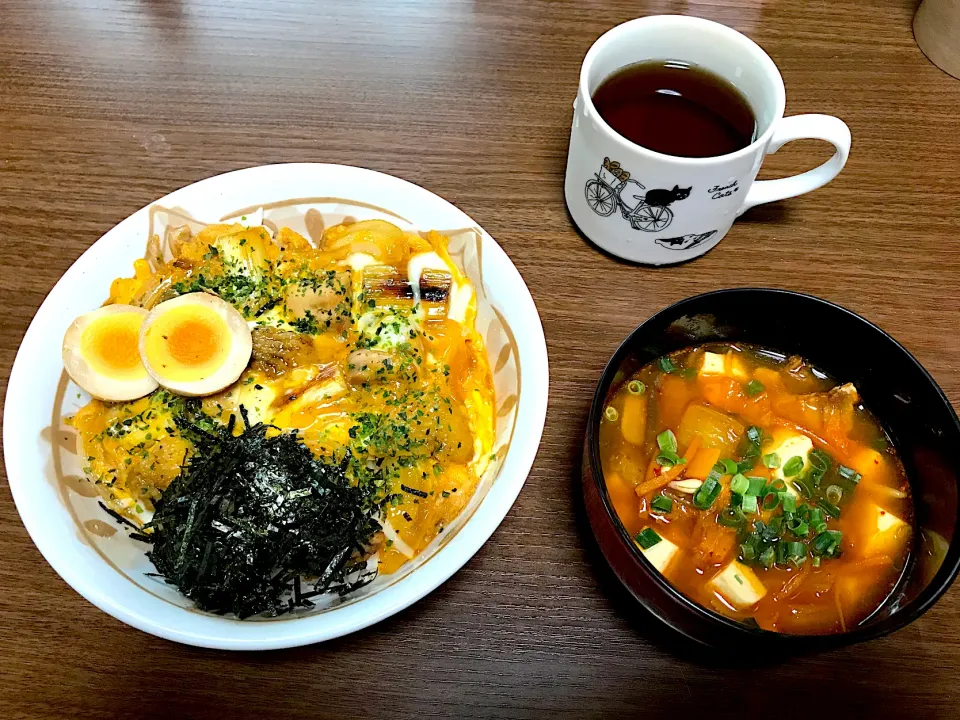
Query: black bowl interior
[[893, 386]]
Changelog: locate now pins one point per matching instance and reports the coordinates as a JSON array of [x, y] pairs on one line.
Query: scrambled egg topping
[[366, 345]]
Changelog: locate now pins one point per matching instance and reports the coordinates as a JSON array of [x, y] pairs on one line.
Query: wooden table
[[106, 105]]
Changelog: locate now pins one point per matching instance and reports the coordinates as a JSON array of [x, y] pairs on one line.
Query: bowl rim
[[941, 581], [185, 625]]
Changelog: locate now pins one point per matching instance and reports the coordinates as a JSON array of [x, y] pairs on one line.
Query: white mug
[[609, 178]]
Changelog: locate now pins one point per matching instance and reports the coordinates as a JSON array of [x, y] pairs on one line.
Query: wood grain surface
[[106, 105]]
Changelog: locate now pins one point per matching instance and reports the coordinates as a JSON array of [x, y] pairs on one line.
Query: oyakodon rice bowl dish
[[277, 421]]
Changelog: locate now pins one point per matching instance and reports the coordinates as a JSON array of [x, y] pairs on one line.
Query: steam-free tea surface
[[677, 109]]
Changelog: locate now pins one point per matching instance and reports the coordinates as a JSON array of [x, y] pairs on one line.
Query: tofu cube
[[729, 365], [713, 364], [885, 533], [871, 465], [788, 445], [738, 585], [661, 555], [738, 370]]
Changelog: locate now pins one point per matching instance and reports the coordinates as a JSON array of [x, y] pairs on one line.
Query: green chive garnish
[[756, 485], [611, 414], [731, 517], [662, 503], [834, 493], [739, 484], [635, 387], [771, 500], [668, 457], [848, 474], [749, 504], [647, 538], [667, 365], [754, 388], [729, 466], [820, 460], [704, 497], [793, 466], [830, 509], [771, 461], [667, 441], [788, 501], [767, 557]]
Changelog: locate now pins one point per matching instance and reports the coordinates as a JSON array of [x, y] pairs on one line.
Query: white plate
[[67, 526]]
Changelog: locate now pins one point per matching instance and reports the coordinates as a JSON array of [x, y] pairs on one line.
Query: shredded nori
[[250, 515]]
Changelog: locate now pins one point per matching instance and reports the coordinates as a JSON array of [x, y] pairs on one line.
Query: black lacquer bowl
[[894, 387]]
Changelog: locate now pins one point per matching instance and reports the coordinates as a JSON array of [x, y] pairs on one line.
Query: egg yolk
[[109, 345], [187, 343]]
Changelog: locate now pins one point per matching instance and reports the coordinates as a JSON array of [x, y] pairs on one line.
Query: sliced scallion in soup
[[758, 486]]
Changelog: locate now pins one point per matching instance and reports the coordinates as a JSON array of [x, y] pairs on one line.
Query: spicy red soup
[[759, 487]]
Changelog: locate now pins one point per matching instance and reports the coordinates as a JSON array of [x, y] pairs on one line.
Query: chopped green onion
[[739, 484], [798, 527], [820, 460], [611, 413], [816, 516], [704, 497], [754, 434], [767, 557], [666, 458], [830, 509], [788, 501], [749, 504], [827, 542], [802, 487], [731, 517], [754, 387], [773, 529], [756, 485], [647, 538], [747, 464], [771, 461], [793, 466], [662, 503], [815, 476], [667, 365], [834, 493], [848, 474], [781, 552], [816, 561], [748, 551], [777, 485], [729, 466], [667, 441], [796, 549], [635, 387], [771, 500]]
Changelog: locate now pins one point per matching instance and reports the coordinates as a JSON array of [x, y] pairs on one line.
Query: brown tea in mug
[[676, 109]]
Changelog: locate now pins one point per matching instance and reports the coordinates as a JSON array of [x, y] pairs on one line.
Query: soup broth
[[759, 487]]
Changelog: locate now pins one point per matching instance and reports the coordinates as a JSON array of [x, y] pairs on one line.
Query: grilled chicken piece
[[326, 299], [365, 366], [277, 351]]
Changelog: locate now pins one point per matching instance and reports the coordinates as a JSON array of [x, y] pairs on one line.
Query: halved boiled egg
[[195, 344], [100, 353]]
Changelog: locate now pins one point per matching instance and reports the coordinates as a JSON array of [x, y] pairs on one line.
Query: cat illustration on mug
[[663, 198]]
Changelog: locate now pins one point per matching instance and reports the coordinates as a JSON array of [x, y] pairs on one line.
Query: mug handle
[[818, 127]]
